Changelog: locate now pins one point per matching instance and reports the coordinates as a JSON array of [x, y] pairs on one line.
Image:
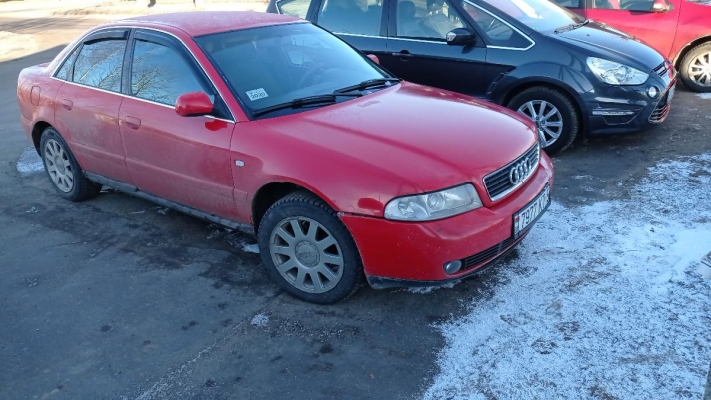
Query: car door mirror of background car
[[374, 58], [661, 6], [193, 104], [460, 37]]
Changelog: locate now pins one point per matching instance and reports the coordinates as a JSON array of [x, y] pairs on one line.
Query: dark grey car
[[570, 75]]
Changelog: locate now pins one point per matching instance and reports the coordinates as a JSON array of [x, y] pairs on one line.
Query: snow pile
[[260, 320], [29, 162], [605, 301]]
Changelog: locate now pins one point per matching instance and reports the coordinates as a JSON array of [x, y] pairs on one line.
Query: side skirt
[[134, 191]]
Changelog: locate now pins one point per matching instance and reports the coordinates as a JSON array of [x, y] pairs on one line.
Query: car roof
[[198, 23]]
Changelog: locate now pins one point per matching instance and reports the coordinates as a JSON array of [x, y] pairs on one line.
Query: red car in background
[[679, 29], [270, 124]]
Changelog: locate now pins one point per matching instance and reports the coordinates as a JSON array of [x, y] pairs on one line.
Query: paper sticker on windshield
[[257, 94]]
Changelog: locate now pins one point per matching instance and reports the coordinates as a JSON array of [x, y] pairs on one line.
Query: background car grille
[[661, 69], [498, 184]]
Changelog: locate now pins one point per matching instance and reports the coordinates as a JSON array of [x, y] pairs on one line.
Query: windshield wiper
[[302, 102], [571, 26], [367, 84]]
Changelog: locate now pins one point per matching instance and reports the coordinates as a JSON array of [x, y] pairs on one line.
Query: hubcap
[[548, 119], [699, 69], [306, 254], [58, 166]]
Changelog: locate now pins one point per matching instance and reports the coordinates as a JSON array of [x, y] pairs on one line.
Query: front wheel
[[308, 251], [556, 117], [695, 68]]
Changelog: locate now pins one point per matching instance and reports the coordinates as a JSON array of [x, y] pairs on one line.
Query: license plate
[[529, 214]]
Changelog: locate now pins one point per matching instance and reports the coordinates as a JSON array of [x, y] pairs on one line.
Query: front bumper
[[627, 109], [394, 253]]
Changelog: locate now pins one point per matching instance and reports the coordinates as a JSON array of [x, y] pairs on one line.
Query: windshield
[[278, 64], [540, 15]]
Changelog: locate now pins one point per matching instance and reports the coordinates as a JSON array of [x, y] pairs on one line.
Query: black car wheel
[[308, 250], [554, 113], [63, 169], [695, 68]]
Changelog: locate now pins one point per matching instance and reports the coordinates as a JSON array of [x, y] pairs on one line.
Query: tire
[[565, 122], [63, 170], [693, 69], [300, 256]]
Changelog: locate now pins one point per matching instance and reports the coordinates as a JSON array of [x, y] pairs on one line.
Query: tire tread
[[303, 197]]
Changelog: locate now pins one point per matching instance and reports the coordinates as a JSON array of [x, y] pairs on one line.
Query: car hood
[[604, 41], [417, 136]]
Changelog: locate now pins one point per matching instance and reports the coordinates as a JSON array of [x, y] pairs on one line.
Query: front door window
[[426, 19]]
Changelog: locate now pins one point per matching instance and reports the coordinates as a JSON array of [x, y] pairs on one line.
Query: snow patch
[[705, 96], [29, 162], [605, 300], [430, 289], [16, 44], [260, 320], [251, 248]]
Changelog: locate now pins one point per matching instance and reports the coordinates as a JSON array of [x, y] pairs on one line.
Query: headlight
[[615, 73], [435, 205]]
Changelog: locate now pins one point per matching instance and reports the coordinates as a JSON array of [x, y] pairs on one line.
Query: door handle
[[403, 54], [67, 104], [132, 122]]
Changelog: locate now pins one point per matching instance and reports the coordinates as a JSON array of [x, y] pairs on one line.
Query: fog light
[[653, 92], [452, 267]]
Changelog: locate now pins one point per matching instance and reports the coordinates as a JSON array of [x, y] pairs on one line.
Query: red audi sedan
[[272, 125]]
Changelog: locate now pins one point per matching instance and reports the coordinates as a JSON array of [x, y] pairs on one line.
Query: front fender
[[571, 81]]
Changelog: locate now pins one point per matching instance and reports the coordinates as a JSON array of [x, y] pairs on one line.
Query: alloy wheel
[[699, 69], [58, 166], [306, 254], [548, 119]]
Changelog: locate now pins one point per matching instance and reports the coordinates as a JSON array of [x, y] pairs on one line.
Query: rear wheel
[[308, 251], [555, 115], [695, 68], [63, 169]]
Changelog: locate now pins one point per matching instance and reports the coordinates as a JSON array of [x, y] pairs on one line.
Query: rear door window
[[99, 64], [295, 8], [359, 17]]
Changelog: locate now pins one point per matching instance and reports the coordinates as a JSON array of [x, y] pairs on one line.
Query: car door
[[87, 104], [183, 159], [361, 23], [507, 46], [418, 52], [652, 21]]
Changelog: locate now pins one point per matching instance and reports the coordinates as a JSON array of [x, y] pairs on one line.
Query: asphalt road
[[116, 298]]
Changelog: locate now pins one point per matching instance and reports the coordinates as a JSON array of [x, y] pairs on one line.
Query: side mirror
[[460, 37], [193, 104], [661, 6], [374, 58]]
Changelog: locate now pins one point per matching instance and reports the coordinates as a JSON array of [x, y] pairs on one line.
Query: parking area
[[119, 298]]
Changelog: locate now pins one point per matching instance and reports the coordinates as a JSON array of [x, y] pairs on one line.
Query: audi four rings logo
[[520, 171]]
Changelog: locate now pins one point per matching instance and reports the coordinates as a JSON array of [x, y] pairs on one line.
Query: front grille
[[661, 69], [659, 114], [498, 183], [487, 254]]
